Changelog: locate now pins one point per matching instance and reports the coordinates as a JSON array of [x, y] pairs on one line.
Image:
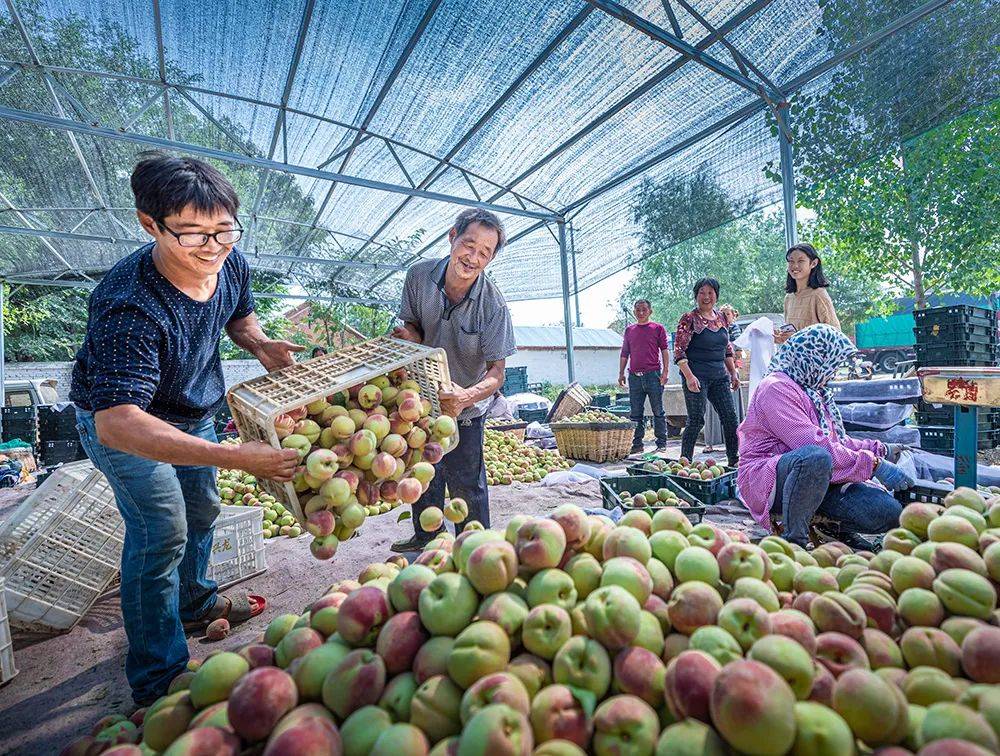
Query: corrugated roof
[[555, 337]]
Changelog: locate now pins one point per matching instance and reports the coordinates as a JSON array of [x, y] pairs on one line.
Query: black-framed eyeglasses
[[230, 236]]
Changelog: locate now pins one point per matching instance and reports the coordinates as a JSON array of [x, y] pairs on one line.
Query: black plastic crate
[[707, 491], [941, 439], [533, 416], [59, 452], [515, 381], [13, 414], [957, 354], [57, 425], [973, 333], [952, 314], [925, 491], [946, 417], [600, 401], [612, 486]]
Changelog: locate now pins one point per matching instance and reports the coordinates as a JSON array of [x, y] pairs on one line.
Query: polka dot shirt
[[151, 345]]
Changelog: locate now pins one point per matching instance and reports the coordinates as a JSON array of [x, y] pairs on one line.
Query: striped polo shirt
[[472, 332]]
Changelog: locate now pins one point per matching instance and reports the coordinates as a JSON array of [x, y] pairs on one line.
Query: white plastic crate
[[61, 549], [238, 546], [256, 403], [7, 668]]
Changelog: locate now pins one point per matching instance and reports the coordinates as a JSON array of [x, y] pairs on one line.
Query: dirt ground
[[67, 682]]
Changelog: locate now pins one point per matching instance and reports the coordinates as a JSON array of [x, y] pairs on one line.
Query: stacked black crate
[[956, 336], [59, 441], [20, 423]]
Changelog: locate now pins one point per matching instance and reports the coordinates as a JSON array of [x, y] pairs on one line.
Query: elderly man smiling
[[449, 303]]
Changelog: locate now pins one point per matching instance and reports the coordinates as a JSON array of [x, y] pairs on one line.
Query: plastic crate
[[707, 491], [953, 314], [257, 402], [238, 546], [925, 492], [515, 381], [601, 401], [7, 668], [14, 414], [61, 452], [957, 354], [61, 549], [941, 438], [612, 486], [975, 333], [533, 415]]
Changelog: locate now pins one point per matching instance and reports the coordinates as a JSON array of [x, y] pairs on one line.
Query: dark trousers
[[640, 387], [463, 471], [802, 489], [718, 392]]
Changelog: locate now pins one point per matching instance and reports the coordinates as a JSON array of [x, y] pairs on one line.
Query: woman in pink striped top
[[794, 451]]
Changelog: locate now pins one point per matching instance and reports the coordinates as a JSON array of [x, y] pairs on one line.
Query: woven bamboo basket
[[593, 442], [574, 398]]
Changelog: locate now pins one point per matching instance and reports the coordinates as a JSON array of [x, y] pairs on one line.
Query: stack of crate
[[59, 442], [955, 336], [20, 423]]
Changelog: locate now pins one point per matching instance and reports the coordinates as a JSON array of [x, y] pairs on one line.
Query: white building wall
[[593, 366]]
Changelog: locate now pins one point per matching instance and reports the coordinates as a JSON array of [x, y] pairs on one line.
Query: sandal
[[236, 610]]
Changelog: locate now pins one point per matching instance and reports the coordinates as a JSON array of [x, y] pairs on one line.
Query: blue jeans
[[169, 513], [640, 387], [463, 470], [803, 488]]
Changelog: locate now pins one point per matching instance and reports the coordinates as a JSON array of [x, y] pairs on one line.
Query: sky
[[597, 305]]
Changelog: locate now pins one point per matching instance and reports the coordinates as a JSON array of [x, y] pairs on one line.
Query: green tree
[[898, 156]]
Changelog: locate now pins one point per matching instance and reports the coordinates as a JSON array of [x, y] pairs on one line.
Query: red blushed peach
[[540, 544], [626, 541], [803, 601], [259, 700], [640, 672], [878, 606], [556, 714], [693, 605], [673, 645], [753, 708], [836, 612], [362, 614], [931, 647], [575, 525], [797, 626], [533, 672], [491, 567], [839, 653], [432, 658], [687, 685], [613, 617], [881, 649], [399, 641], [981, 654], [738, 560], [625, 724], [875, 709], [822, 687]]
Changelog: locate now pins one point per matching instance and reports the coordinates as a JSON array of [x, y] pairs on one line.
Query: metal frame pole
[[966, 445], [3, 356], [787, 176], [567, 310], [576, 283]]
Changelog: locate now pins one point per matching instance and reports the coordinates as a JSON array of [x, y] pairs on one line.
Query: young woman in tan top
[[807, 301]]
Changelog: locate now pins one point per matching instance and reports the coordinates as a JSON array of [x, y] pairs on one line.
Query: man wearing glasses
[[147, 382]]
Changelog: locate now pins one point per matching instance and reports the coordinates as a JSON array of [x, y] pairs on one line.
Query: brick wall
[[234, 370]]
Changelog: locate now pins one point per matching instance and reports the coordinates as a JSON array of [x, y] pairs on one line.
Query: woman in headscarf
[[795, 457]]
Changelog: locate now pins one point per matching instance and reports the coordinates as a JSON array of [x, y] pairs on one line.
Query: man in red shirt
[[645, 350]]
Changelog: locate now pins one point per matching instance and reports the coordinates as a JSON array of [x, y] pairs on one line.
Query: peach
[[708, 537], [797, 626], [670, 519], [557, 714], [783, 570], [981, 654], [666, 545], [539, 544], [738, 560], [674, 644], [500, 687], [688, 683], [991, 559], [585, 571], [261, 698], [965, 593], [716, 642], [918, 516], [879, 607], [448, 604], [576, 527], [638, 519], [823, 682], [931, 647], [836, 612], [911, 572], [639, 672], [761, 592], [745, 620], [404, 589], [951, 720], [692, 605], [547, 627], [508, 611], [432, 658], [839, 653], [399, 640], [696, 563], [480, 649], [436, 708], [820, 731], [959, 627], [311, 670], [552, 586], [217, 676], [881, 649], [901, 540], [358, 680], [875, 709], [690, 737], [953, 529], [583, 663], [491, 567], [203, 741], [600, 526], [920, 607], [752, 708], [362, 728], [658, 608], [613, 616], [814, 580], [628, 574], [957, 556], [362, 615], [625, 724], [928, 685], [535, 673], [788, 659], [626, 541], [496, 729]]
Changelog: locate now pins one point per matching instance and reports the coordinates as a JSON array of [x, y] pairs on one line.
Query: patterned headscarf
[[811, 357]]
